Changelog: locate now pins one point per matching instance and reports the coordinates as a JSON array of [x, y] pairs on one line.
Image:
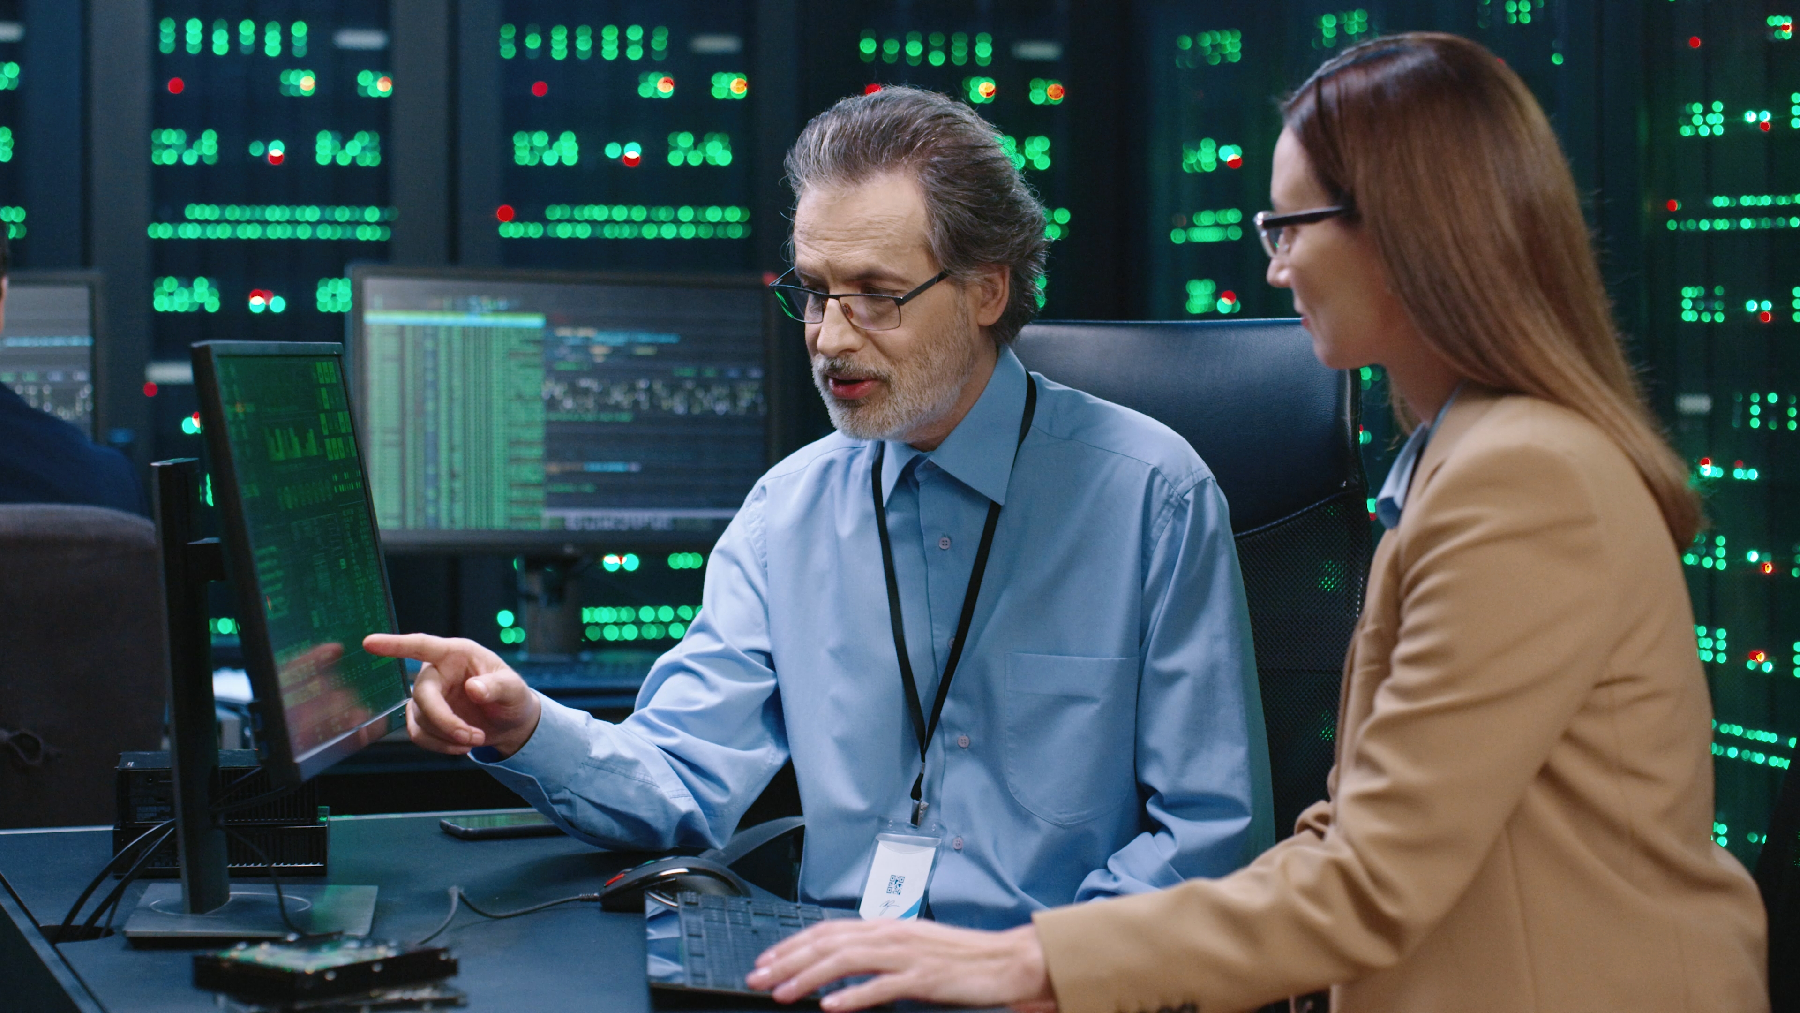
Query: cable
[[280, 899], [457, 895], [118, 892], [68, 921]]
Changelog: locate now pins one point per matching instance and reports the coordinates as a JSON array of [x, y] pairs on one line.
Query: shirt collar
[[1391, 500], [979, 451]]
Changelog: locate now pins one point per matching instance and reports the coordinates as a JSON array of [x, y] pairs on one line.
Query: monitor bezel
[[99, 353], [564, 542], [259, 656]]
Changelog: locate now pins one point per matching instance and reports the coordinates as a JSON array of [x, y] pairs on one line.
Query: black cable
[[118, 892], [457, 895], [68, 921], [280, 899]]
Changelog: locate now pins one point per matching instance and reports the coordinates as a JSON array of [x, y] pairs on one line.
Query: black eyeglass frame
[[782, 299], [1267, 220]]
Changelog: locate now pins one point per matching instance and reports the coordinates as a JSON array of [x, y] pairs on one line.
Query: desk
[[575, 957]]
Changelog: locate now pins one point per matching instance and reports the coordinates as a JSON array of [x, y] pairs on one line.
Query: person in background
[[1519, 815], [46, 460], [1079, 719]]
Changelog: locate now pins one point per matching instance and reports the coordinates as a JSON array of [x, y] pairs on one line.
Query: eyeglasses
[[867, 310], [1273, 227]]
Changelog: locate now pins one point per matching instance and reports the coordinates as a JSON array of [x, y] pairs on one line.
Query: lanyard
[[924, 729]]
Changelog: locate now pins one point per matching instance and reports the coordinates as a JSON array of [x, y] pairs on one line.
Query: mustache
[[840, 367]]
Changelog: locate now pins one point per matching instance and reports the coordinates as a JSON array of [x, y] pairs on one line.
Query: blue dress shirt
[[1391, 500], [1103, 734]]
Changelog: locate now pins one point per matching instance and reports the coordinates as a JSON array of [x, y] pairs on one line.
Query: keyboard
[[721, 937], [601, 672]]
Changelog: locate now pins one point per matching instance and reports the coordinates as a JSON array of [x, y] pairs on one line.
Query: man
[[46, 460], [1101, 733]]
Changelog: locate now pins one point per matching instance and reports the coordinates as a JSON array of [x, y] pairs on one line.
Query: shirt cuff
[[553, 754]]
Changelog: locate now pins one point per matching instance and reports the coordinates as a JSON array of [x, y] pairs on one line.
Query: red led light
[[540, 89], [632, 158], [1234, 161], [1706, 462], [1228, 296], [1765, 316], [149, 389], [987, 89], [276, 156], [1673, 205], [1768, 568], [1765, 126], [871, 88], [1693, 42], [504, 212], [1055, 93], [1758, 656], [175, 85], [666, 85]]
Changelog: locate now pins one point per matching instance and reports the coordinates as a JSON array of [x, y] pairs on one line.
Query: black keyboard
[[721, 937], [603, 672]]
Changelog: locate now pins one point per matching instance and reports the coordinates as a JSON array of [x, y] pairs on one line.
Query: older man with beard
[[989, 610]]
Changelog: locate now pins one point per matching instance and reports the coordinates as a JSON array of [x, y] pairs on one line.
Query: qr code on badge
[[895, 884]]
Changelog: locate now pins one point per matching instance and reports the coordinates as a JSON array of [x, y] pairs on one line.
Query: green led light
[[362, 148], [1211, 48], [374, 84], [539, 148], [685, 149], [332, 295], [175, 295], [504, 617], [171, 147], [298, 82], [728, 84], [655, 84]]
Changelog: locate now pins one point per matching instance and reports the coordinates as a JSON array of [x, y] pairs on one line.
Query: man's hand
[[910, 960], [464, 697]]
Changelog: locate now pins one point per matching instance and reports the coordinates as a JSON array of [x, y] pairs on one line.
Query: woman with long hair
[[1518, 817]]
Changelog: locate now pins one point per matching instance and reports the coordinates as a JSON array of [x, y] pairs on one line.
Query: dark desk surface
[[568, 958]]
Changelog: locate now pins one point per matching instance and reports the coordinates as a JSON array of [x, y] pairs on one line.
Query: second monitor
[[528, 411]]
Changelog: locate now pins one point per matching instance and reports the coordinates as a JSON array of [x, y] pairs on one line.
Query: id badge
[[901, 870]]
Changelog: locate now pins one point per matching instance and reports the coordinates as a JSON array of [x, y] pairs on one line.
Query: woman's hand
[[909, 960]]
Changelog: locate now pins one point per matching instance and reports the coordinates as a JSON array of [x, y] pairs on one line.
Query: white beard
[[919, 390]]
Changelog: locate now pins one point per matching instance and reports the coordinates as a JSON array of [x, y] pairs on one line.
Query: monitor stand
[[206, 905], [549, 606]]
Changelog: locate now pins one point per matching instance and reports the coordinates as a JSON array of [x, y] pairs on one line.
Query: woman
[[1519, 814]]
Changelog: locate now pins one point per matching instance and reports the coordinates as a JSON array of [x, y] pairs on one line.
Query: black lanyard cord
[[927, 729]]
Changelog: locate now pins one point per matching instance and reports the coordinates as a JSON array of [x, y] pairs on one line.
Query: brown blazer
[[1519, 816]]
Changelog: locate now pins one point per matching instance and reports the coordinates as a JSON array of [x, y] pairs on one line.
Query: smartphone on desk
[[487, 826]]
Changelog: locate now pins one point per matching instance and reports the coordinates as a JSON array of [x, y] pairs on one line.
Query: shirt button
[[956, 843], [944, 542], [963, 741]]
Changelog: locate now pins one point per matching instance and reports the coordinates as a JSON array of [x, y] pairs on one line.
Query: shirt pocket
[[1070, 735]]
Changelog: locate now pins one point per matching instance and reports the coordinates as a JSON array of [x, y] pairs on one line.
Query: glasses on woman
[[869, 311], [1276, 230]]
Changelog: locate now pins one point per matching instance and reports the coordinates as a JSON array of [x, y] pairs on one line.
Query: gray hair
[[978, 210]]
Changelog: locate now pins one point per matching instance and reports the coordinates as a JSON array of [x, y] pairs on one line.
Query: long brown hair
[[1448, 161]]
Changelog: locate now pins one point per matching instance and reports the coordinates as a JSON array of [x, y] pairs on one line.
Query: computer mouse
[[625, 891]]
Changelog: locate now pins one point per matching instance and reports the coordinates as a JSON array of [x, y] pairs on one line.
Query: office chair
[[82, 659], [1279, 432], [1778, 877]]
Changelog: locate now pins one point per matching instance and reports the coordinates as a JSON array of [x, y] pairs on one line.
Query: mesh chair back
[[1278, 431], [82, 658]]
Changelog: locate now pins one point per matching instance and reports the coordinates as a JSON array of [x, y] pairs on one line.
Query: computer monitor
[[301, 548], [542, 412], [47, 347]]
